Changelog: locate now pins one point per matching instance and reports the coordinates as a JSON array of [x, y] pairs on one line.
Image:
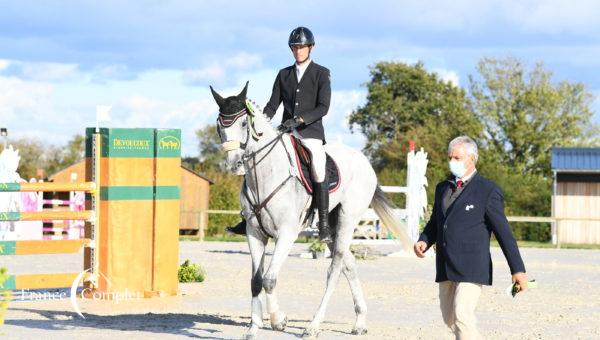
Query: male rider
[[305, 90]]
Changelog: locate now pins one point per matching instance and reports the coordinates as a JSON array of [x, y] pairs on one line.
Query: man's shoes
[[239, 229]]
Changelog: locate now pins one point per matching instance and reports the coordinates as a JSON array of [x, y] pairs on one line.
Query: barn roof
[[576, 159], [199, 174]]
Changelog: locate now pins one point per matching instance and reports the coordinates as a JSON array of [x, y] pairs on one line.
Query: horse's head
[[240, 126]]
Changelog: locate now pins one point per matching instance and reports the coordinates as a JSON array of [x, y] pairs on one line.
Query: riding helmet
[[301, 36]]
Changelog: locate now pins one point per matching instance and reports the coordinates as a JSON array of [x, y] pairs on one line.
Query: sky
[[153, 61]]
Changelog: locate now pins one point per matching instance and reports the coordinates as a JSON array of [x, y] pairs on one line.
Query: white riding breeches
[[318, 156]]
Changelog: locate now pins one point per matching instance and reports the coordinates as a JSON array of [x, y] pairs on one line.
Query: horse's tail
[[385, 210]]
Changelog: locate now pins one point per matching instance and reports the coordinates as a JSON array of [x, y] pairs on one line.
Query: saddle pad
[[303, 162]]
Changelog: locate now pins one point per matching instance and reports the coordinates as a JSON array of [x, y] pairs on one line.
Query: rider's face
[[301, 52]]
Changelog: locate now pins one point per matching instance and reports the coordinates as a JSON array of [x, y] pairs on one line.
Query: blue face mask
[[457, 168]]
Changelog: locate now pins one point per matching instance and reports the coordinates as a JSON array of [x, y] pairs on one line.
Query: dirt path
[[400, 292]]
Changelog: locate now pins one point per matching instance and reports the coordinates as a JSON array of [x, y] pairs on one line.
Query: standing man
[[467, 209], [305, 90]]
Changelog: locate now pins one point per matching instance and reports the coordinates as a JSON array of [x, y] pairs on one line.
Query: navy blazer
[[462, 235], [308, 99]]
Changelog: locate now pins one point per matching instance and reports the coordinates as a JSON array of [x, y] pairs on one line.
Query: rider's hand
[[420, 248], [290, 124]]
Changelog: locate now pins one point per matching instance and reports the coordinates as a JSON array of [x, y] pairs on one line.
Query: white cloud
[[448, 76], [213, 73], [23, 101], [48, 72], [4, 64], [336, 122], [219, 71]]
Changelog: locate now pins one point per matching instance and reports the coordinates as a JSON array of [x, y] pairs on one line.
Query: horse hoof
[[250, 337], [310, 333], [359, 331], [280, 326]]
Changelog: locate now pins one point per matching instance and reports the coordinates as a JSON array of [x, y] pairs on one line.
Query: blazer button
[[445, 226], [297, 90], [296, 104], [444, 244]]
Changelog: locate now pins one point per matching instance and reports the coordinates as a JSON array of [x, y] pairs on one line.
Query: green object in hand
[[514, 288]]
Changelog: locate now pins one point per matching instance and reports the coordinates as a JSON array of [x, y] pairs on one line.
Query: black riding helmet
[[301, 36]]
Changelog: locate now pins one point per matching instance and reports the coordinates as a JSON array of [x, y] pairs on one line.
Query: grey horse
[[276, 205]]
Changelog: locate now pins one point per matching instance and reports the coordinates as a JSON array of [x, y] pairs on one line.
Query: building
[[195, 192], [576, 194]]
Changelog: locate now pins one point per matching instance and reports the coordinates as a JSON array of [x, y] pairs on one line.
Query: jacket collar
[[308, 68], [459, 200]]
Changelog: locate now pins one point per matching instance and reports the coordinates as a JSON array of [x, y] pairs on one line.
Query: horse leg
[[257, 252], [341, 246], [351, 274], [283, 245], [360, 306]]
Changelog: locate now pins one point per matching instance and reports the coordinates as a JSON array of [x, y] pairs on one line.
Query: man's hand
[[521, 280], [420, 248], [290, 124]]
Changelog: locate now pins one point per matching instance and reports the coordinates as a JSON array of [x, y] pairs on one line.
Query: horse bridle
[[227, 120]]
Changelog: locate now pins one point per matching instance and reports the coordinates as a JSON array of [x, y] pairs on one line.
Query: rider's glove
[[290, 124]]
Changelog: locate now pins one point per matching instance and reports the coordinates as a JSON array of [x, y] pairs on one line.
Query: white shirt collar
[[300, 69], [467, 178]]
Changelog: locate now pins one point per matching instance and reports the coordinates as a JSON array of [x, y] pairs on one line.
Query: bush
[[317, 246], [224, 195], [189, 272]]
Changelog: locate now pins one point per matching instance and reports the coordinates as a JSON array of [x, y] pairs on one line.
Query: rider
[[305, 90]]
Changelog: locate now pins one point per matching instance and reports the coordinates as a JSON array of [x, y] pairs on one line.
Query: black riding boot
[[239, 229], [321, 191]]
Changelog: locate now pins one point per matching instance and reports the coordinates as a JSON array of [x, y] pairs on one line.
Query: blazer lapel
[[294, 74], [306, 72], [459, 200], [441, 199]]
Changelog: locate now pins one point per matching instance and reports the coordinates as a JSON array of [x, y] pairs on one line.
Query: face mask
[[457, 168]]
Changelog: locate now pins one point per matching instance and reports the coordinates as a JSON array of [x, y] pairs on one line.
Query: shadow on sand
[[171, 323]]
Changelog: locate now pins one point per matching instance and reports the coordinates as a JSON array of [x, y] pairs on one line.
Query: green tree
[[406, 102], [59, 158], [211, 154], [525, 114], [33, 156], [225, 192]]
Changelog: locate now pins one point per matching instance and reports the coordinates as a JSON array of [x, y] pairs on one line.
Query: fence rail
[[526, 219]]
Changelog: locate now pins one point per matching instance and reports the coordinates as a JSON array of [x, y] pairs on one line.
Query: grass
[[533, 244]]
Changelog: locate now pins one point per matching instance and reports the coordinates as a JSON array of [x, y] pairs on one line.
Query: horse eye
[[244, 123]]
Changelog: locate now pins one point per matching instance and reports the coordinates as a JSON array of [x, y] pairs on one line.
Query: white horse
[[276, 205]]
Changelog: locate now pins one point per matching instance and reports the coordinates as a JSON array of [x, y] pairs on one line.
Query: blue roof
[[576, 159]]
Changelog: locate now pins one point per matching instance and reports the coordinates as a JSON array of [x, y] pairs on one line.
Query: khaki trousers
[[457, 302]]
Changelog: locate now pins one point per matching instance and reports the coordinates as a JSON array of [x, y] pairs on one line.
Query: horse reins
[[228, 120]]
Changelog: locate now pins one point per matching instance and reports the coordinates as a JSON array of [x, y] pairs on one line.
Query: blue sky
[[153, 60]]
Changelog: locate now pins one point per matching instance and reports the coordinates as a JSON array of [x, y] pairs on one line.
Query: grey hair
[[469, 144]]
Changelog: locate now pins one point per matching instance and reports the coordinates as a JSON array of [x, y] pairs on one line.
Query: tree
[[225, 193], [32, 153], [525, 114], [211, 154], [406, 102], [59, 158]]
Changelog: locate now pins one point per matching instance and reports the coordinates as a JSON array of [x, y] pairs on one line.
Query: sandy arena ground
[[400, 292]]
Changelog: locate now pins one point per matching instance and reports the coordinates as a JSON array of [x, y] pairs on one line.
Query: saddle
[[303, 160]]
